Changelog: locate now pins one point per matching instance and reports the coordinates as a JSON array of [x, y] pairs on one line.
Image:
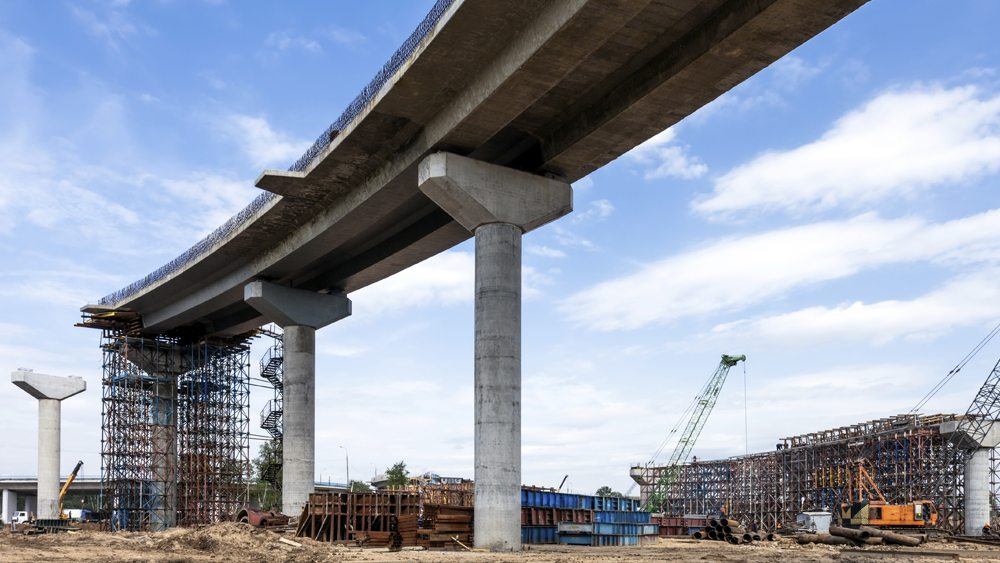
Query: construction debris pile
[[444, 527], [727, 530]]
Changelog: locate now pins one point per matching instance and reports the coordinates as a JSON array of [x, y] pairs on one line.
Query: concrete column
[[49, 449], [498, 387], [299, 406], [978, 437], [50, 390], [299, 313], [164, 455], [497, 204], [9, 505], [977, 492]]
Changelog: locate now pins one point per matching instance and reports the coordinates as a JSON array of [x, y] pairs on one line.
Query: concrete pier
[[977, 492], [50, 390], [9, 502], [498, 386], [299, 408], [299, 313], [164, 459], [498, 204], [980, 439]]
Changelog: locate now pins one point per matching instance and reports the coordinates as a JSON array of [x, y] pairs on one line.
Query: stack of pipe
[[730, 531], [850, 537]]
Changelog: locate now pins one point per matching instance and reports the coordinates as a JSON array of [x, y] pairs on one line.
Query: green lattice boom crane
[[702, 408]]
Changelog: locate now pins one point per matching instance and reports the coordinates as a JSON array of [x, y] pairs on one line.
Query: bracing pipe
[[702, 408]]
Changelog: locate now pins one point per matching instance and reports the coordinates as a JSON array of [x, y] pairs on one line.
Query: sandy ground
[[236, 542]]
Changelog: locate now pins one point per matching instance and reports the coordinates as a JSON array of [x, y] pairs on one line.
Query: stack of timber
[[727, 530], [443, 526], [859, 537], [370, 519]]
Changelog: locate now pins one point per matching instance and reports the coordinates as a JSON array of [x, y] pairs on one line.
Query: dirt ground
[[239, 543]]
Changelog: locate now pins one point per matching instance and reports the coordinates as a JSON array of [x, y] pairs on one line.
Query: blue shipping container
[[621, 516], [539, 534], [575, 539]]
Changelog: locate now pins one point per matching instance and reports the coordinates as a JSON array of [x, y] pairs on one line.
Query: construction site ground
[[237, 542]]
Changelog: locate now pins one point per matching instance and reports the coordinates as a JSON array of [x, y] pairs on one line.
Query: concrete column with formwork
[[979, 440], [9, 507], [299, 313], [498, 205], [50, 390], [163, 462]]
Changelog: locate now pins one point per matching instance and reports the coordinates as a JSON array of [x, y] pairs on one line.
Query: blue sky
[[835, 218]]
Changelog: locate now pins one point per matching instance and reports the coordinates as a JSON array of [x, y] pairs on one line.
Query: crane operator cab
[[921, 513]]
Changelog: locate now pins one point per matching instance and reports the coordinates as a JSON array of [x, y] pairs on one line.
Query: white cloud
[[669, 159], [964, 301], [567, 238], [263, 145], [598, 210], [349, 37], [899, 144], [444, 279], [790, 71], [282, 41], [112, 29], [544, 251], [733, 273]]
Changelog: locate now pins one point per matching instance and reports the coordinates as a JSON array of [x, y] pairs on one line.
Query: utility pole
[[347, 464]]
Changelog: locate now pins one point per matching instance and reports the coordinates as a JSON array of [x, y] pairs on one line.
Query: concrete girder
[[498, 204], [50, 390]]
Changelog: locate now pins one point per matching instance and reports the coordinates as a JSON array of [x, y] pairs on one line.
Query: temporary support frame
[[175, 430], [907, 457]]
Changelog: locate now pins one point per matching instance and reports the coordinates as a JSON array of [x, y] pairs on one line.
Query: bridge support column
[[978, 437], [299, 313], [977, 491], [9, 506], [163, 461], [498, 204], [50, 390]]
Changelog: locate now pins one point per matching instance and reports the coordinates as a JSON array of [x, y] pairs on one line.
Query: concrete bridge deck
[[558, 88]]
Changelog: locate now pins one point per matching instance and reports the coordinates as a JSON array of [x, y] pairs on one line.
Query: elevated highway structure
[[524, 97]]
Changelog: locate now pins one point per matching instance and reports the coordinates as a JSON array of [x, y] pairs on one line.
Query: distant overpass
[[476, 127]]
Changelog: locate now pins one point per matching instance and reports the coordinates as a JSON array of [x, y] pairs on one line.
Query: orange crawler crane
[[879, 513]]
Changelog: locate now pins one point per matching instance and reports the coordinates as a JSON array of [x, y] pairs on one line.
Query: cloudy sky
[[836, 218]]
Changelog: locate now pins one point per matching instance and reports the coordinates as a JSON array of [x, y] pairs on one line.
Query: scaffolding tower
[[272, 415], [175, 427], [906, 455]]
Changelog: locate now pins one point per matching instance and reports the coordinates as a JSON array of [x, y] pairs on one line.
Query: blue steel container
[[605, 540], [575, 539], [539, 534], [616, 529], [621, 516], [651, 529]]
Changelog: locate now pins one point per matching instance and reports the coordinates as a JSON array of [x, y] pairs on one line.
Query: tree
[[359, 487], [398, 475], [268, 498], [607, 492]]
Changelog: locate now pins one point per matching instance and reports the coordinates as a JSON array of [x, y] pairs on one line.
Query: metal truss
[[907, 457]]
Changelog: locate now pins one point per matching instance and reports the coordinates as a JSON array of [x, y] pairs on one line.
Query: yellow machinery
[[919, 513], [62, 493]]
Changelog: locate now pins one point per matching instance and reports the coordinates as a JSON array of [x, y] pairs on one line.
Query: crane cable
[[968, 357], [746, 425], [680, 421]]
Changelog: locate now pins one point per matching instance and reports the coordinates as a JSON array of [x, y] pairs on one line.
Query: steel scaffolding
[[906, 456], [214, 430], [175, 429]]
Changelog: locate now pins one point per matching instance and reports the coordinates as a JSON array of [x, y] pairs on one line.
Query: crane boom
[[699, 416], [983, 411]]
